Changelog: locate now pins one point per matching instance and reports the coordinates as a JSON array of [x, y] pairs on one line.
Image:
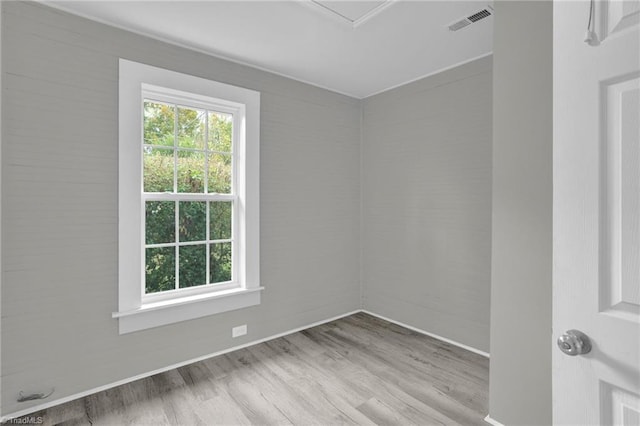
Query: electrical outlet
[[238, 331]]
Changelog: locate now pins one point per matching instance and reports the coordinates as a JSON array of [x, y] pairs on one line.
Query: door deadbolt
[[574, 342]]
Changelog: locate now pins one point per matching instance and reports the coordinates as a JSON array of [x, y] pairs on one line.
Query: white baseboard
[[59, 401], [489, 420], [435, 336]]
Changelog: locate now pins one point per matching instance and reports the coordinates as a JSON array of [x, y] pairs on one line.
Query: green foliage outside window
[[200, 160]]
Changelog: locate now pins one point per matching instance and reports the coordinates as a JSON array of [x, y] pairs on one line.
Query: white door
[[596, 212]]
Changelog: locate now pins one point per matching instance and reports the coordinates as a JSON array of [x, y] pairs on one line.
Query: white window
[[188, 197]]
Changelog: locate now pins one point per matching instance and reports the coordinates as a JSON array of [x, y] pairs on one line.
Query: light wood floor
[[356, 370]]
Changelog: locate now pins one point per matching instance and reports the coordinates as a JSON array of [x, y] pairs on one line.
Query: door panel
[[619, 406], [617, 15], [596, 212], [620, 243]]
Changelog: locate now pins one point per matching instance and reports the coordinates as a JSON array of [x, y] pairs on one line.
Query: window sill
[[185, 308]]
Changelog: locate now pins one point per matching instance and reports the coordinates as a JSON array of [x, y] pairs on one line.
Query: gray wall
[[522, 206], [427, 203], [59, 195]]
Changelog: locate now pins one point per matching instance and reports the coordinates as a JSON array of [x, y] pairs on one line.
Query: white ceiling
[[360, 49]]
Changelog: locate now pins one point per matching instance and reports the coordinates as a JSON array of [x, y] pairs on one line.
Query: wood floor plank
[[359, 370], [416, 382], [255, 400], [364, 374], [383, 414], [223, 410], [447, 377], [197, 377], [328, 402], [70, 412]]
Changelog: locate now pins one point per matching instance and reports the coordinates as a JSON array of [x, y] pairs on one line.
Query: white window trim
[[135, 310]]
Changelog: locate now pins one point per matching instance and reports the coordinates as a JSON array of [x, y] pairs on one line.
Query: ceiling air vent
[[484, 13]]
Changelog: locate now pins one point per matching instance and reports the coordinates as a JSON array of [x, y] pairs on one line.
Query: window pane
[[160, 269], [219, 173], [220, 220], [190, 172], [160, 222], [193, 220], [193, 265], [220, 131], [158, 170], [159, 120], [220, 262], [191, 128]]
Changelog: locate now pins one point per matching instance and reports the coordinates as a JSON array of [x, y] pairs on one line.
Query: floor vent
[[484, 13]]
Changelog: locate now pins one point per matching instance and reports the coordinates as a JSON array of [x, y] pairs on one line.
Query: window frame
[[137, 310], [238, 112]]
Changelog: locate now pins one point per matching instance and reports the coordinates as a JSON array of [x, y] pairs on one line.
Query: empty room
[[320, 212]]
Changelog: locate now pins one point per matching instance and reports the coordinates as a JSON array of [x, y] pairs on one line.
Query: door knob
[[574, 342]]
